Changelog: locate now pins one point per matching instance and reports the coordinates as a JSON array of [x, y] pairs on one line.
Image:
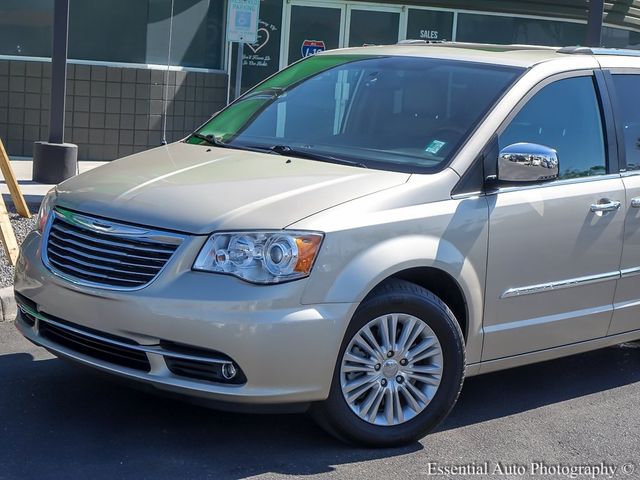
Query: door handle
[[605, 206], [635, 202]]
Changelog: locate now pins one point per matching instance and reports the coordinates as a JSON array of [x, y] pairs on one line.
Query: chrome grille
[[102, 253]]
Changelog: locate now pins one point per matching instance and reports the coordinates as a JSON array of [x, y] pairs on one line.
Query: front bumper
[[286, 350]]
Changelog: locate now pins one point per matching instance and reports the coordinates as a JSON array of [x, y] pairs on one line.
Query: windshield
[[397, 113]]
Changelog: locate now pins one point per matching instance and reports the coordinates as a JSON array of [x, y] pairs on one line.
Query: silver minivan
[[356, 235]]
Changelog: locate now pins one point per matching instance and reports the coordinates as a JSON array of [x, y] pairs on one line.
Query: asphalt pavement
[[61, 421]]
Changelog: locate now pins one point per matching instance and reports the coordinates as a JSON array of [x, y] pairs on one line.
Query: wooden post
[[8, 236], [12, 183]]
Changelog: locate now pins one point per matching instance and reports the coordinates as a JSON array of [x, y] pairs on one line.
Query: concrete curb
[[8, 304]]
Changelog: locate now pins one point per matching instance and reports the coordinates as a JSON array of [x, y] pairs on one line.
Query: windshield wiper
[[216, 142], [211, 140], [286, 150], [271, 92]]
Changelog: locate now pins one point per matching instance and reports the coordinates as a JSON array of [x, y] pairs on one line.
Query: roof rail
[[412, 41], [475, 45], [599, 51]]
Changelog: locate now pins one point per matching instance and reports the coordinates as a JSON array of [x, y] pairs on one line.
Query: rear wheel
[[399, 371]]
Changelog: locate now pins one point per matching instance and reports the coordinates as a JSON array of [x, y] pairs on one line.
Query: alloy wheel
[[391, 369]]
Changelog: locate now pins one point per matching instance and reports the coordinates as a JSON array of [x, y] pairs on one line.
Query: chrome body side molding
[[561, 284], [630, 272]]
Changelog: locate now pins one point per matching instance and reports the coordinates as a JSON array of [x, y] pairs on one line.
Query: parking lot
[[59, 421]]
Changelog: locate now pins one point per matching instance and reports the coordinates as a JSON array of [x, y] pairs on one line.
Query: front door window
[[565, 116]]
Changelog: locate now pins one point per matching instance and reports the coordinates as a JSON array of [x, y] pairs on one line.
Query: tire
[[409, 301]]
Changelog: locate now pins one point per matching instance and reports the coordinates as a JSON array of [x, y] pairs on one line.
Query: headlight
[[260, 257], [46, 207]]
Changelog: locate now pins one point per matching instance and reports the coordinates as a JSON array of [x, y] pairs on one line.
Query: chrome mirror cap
[[527, 162]]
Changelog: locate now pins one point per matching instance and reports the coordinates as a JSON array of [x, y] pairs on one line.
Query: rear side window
[[564, 115], [628, 93]]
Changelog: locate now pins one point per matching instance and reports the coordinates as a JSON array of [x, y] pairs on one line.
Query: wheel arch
[[443, 285]]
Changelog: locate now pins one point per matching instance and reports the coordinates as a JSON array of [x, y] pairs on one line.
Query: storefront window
[[138, 32], [370, 27], [313, 29], [429, 25], [25, 27], [508, 30], [121, 31], [619, 38], [198, 34], [114, 31]]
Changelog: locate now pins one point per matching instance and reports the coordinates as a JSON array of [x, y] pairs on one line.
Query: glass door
[[313, 27], [374, 25]]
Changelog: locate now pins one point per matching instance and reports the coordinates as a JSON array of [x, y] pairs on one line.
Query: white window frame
[[376, 7], [101, 63], [286, 23]]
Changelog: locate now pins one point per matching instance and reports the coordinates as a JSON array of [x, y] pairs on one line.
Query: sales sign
[[242, 21]]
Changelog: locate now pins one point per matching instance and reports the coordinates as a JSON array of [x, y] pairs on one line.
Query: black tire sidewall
[[425, 306]]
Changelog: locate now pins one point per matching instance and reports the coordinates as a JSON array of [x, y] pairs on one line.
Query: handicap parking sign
[[242, 21]]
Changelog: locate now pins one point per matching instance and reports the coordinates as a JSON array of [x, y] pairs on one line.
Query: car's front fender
[[450, 236]]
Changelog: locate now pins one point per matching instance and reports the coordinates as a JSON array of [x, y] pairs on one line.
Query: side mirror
[[527, 162]]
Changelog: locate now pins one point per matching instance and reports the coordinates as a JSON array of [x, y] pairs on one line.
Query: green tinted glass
[[226, 124]]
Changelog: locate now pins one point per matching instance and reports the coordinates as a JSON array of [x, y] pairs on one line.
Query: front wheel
[[399, 371]]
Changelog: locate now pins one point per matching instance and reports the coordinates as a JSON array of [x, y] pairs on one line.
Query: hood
[[198, 189]]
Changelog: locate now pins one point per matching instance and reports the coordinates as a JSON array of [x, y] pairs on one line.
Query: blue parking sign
[[242, 21]]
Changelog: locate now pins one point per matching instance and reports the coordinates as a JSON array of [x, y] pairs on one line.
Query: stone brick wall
[[111, 111]]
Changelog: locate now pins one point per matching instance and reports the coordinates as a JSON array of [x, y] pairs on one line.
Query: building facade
[[144, 71]]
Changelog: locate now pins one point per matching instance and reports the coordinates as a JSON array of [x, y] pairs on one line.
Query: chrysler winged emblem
[[103, 227]]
